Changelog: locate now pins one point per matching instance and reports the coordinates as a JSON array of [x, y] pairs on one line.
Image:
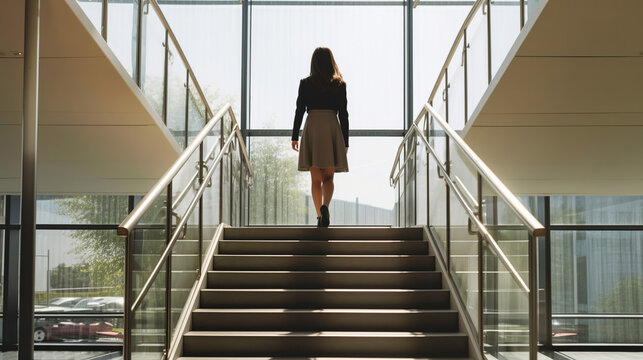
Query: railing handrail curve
[[141, 208], [534, 226], [482, 229]]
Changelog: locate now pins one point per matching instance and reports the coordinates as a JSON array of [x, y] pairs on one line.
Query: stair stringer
[[194, 298]]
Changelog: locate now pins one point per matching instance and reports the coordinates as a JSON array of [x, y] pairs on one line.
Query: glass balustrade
[[482, 233], [171, 230], [139, 36]]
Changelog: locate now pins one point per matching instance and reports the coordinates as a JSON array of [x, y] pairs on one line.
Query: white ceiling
[[97, 132], [564, 115]]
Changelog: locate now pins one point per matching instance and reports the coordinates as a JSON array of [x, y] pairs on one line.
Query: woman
[[323, 143]]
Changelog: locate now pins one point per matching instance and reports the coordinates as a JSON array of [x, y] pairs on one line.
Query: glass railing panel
[[463, 173], [149, 241], [236, 184], [505, 311], [477, 60], [507, 229], [211, 195], [185, 265], [176, 96], [421, 176], [505, 26], [456, 89], [464, 255], [149, 321], [94, 11], [439, 102], [225, 193], [153, 61], [438, 191], [408, 176], [196, 112], [122, 25]]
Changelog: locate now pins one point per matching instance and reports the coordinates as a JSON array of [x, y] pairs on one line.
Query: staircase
[[314, 293]]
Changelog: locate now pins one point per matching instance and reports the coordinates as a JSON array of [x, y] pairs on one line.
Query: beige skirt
[[322, 143]]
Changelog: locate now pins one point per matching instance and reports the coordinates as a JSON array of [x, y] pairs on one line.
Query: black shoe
[[319, 221], [325, 216]]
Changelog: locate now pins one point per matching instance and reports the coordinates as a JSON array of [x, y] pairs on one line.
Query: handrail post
[[533, 297], [200, 210], [221, 137], [139, 44], [103, 20], [168, 269], [230, 207], [127, 302], [480, 273]]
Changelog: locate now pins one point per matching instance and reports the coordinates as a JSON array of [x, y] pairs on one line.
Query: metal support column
[[409, 64], [29, 160], [548, 341], [533, 298], [245, 51], [127, 303], [139, 44], [11, 277]]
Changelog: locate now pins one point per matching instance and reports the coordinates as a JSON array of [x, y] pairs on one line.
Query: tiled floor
[[65, 355]]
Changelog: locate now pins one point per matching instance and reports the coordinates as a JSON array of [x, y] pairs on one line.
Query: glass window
[[122, 18], [597, 210], [81, 209], [210, 36], [367, 42], [597, 272], [434, 30], [281, 194]]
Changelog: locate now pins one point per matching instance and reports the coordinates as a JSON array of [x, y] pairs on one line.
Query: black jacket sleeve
[[343, 113], [299, 112]]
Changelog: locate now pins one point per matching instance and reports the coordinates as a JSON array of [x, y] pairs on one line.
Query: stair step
[[325, 279], [325, 320], [316, 358], [359, 233], [326, 298], [324, 262], [314, 344], [318, 247]]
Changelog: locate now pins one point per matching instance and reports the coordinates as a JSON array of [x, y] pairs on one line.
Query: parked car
[[69, 330], [61, 304]]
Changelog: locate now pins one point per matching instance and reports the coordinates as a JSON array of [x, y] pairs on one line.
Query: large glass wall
[[596, 269], [79, 266]]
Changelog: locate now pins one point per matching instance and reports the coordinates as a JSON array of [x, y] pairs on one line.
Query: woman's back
[[322, 96]]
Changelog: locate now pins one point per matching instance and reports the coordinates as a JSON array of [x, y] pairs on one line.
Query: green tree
[[278, 192]]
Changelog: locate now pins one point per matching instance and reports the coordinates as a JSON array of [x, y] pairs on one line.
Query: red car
[[67, 330]]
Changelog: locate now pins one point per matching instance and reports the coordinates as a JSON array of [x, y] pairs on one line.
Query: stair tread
[[329, 310], [286, 256], [315, 358], [387, 334], [324, 290], [374, 272]]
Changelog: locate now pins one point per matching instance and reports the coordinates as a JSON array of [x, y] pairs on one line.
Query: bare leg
[[327, 184], [316, 187]]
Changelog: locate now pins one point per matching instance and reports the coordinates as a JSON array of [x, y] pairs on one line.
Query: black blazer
[[311, 97]]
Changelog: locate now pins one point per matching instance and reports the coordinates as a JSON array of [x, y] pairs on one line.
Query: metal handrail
[[141, 208], [166, 25], [481, 228], [181, 224], [533, 225], [454, 47]]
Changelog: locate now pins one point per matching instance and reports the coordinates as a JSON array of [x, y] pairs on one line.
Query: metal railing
[[482, 233], [460, 203], [170, 85], [174, 222]]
